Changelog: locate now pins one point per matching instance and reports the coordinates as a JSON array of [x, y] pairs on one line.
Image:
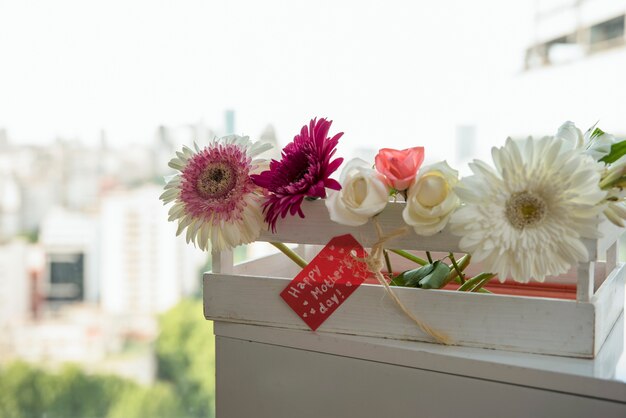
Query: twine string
[[375, 263]]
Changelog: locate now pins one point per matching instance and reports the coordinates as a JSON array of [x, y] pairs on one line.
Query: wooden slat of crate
[[317, 228], [527, 324]]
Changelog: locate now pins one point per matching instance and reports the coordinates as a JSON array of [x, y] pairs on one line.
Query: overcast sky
[[397, 73]]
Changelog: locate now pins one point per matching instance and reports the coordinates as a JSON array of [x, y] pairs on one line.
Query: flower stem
[[483, 282], [459, 267], [430, 259], [476, 283], [456, 279], [290, 253], [409, 256], [388, 262], [458, 270]]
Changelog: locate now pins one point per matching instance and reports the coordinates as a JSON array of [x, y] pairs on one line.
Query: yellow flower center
[[216, 180], [359, 190], [432, 189], [524, 209]]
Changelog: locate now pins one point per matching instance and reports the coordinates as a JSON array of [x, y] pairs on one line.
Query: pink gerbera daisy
[[213, 195], [303, 171]]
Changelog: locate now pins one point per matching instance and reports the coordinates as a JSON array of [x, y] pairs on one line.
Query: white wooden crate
[[249, 293]]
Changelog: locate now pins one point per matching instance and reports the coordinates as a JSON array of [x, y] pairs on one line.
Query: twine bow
[[374, 262]]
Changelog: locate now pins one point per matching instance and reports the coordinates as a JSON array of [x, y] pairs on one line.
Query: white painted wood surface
[[342, 376], [317, 228], [608, 303], [527, 324], [222, 262], [586, 281], [603, 377]]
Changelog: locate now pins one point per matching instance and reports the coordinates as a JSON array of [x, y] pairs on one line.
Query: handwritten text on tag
[[329, 279]]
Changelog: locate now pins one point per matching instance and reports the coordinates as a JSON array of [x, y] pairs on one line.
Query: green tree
[[186, 357], [28, 392], [81, 395], [158, 401], [25, 391]]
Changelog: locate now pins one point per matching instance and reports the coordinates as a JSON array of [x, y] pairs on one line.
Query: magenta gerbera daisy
[[303, 171], [214, 196]]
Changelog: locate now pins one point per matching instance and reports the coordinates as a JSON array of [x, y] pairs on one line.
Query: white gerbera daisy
[[213, 195], [525, 219]]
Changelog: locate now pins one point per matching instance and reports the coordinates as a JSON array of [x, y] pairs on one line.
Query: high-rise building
[[570, 30], [269, 135], [10, 204], [70, 244], [15, 295], [572, 67], [77, 333], [465, 144], [145, 268], [229, 119]]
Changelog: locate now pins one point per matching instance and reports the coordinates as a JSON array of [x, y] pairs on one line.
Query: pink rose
[[399, 166]]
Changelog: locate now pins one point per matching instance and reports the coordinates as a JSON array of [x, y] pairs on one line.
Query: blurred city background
[[100, 311]]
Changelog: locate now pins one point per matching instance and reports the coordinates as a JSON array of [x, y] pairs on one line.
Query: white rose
[[431, 200], [600, 145], [363, 194], [571, 134], [597, 147]]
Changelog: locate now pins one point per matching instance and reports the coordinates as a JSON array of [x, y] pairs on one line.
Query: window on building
[[66, 277], [607, 34], [576, 44]]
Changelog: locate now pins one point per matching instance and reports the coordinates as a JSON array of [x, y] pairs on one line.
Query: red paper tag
[[318, 290]]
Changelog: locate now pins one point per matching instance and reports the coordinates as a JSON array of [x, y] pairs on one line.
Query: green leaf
[[618, 150], [476, 283], [411, 278], [398, 281], [409, 256], [436, 279], [596, 133]]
